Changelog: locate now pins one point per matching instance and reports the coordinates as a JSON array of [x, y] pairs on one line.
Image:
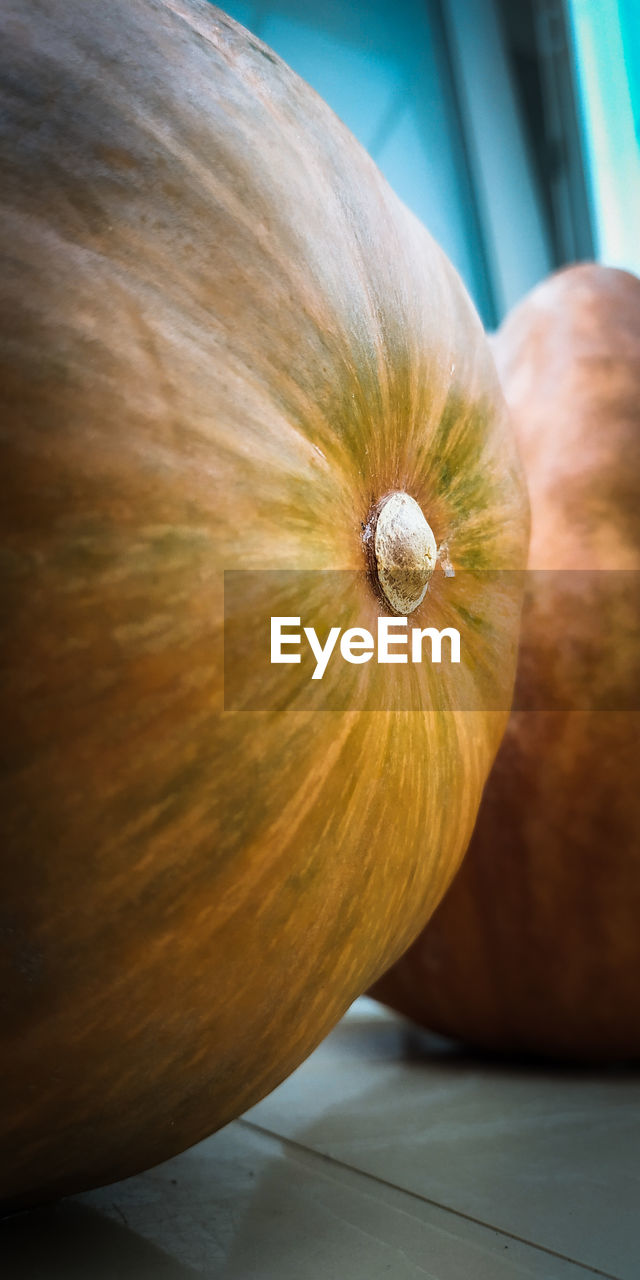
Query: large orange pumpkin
[[536, 947], [225, 342]]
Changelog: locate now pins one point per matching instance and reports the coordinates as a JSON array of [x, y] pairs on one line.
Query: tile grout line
[[415, 1195]]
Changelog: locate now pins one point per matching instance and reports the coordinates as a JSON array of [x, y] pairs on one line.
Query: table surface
[[389, 1154]]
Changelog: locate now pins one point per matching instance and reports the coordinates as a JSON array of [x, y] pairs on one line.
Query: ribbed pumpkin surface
[[223, 340], [536, 947]]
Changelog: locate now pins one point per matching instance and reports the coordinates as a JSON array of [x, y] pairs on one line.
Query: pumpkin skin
[[536, 947], [224, 338]]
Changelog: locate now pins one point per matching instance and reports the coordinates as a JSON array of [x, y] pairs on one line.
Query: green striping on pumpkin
[[224, 340]]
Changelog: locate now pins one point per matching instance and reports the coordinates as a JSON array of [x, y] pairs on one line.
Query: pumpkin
[[226, 347], [536, 947]]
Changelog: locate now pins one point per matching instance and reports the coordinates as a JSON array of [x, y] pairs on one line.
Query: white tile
[[551, 1156], [244, 1206], [399, 1158]]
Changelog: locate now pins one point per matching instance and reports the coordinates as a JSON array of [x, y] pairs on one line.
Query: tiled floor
[[389, 1154]]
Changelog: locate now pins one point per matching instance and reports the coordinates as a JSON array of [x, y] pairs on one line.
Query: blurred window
[[474, 110], [606, 35]]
